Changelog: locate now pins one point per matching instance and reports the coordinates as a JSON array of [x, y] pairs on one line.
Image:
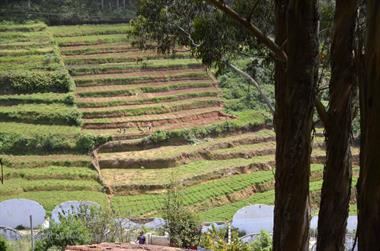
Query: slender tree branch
[[254, 82], [322, 112], [253, 30], [249, 18]]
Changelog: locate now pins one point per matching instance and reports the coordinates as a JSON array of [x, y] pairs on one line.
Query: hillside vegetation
[[85, 115]]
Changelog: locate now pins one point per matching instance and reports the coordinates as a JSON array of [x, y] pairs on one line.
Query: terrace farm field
[[85, 115]]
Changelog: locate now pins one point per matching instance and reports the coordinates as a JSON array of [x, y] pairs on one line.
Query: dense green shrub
[[53, 114], [71, 231], [32, 82], [254, 121], [181, 224], [46, 142], [88, 142], [3, 244], [263, 242], [217, 240]]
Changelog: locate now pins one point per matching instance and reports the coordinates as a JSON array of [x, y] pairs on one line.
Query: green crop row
[[16, 138], [32, 82], [245, 121], [23, 45], [88, 50], [142, 204], [147, 101], [26, 27], [25, 52], [142, 79], [40, 161], [160, 109], [50, 199], [153, 64], [36, 66], [51, 172], [85, 30], [226, 212], [42, 114], [31, 59], [38, 98], [13, 37], [194, 170], [106, 59], [15, 186], [147, 89], [92, 39]]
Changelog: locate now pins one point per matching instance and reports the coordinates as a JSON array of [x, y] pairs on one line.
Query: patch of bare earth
[[120, 247], [146, 98], [214, 113]]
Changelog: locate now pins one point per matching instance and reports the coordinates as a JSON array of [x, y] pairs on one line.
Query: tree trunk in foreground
[[293, 124], [369, 179], [336, 188]]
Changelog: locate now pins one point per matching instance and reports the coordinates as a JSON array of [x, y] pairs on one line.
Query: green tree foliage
[[263, 242], [181, 224], [89, 225], [68, 11], [71, 231], [3, 244], [217, 240]]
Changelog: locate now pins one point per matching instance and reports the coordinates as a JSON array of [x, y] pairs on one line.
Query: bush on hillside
[[3, 244], [181, 224], [217, 240], [18, 143], [71, 231], [263, 242], [33, 82]]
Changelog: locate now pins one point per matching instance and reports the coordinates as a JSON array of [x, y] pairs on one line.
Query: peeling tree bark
[[336, 188], [293, 123], [369, 179]]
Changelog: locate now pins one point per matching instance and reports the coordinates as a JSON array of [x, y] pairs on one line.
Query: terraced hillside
[[44, 150], [133, 123], [128, 93]]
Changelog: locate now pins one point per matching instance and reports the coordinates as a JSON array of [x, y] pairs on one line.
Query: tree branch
[[323, 115], [253, 30], [253, 81]]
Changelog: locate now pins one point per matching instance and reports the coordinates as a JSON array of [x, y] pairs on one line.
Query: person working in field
[[141, 238]]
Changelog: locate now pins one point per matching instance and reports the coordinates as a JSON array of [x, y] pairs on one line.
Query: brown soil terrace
[[214, 113], [120, 247], [147, 96], [167, 104]]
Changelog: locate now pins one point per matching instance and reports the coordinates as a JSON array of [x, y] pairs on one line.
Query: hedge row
[[48, 143], [51, 114], [32, 82], [256, 121], [38, 98]]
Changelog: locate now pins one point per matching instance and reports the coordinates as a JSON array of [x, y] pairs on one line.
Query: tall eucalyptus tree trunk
[[295, 99], [336, 188], [369, 179]]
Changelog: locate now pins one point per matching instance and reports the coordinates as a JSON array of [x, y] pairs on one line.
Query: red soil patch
[[189, 116], [120, 247], [147, 96], [124, 107]]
